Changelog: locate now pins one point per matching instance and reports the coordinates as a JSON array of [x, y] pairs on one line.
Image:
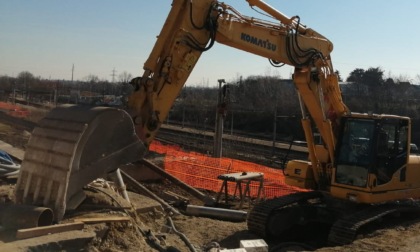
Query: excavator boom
[[364, 160], [192, 27], [74, 142]]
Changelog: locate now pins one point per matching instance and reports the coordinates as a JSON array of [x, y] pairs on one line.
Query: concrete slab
[[13, 151]]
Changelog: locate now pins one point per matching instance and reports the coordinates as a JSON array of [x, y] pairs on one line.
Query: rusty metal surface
[[72, 146]]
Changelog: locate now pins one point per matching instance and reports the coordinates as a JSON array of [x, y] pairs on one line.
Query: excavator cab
[[372, 151], [355, 153]]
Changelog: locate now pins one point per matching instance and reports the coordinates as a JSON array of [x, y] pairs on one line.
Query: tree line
[[268, 106], [36, 89], [265, 106]]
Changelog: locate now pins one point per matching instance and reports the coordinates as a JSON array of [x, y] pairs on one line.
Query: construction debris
[[8, 167], [168, 208], [209, 201], [175, 199]]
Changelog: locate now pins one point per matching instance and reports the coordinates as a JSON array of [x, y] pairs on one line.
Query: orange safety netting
[[13, 110], [201, 171]]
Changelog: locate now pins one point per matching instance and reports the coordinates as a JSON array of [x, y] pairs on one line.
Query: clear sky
[[46, 37]]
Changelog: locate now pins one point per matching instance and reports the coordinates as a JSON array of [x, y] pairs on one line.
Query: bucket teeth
[[72, 146]]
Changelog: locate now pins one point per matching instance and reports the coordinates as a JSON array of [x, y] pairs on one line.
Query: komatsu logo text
[[259, 42]]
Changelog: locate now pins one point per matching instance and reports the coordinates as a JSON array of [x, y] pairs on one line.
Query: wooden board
[[39, 231], [103, 219]]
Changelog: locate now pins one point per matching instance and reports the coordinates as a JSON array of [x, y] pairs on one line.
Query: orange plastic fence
[[201, 171], [13, 110]]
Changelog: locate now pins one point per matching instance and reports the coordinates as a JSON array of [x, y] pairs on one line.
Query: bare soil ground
[[402, 234]]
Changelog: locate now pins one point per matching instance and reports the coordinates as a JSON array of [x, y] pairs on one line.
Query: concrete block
[[254, 245]]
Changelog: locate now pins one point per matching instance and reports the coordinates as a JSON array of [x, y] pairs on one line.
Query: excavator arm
[[334, 171], [73, 144], [188, 31], [192, 27]]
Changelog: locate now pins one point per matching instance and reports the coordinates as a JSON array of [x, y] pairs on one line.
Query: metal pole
[[55, 94], [217, 150], [117, 178], [274, 131], [231, 123], [183, 115]]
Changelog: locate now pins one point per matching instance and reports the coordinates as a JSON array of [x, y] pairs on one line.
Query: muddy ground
[[402, 234]]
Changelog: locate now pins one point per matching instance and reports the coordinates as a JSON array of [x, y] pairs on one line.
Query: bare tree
[[417, 79], [25, 78], [124, 77], [92, 78], [403, 78]]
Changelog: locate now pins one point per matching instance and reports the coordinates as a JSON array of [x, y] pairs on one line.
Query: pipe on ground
[[218, 213], [25, 216]]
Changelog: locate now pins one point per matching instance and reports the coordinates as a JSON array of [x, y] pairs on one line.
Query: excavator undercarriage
[[72, 146], [318, 220]]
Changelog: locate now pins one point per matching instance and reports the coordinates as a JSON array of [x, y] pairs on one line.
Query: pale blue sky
[[45, 37]]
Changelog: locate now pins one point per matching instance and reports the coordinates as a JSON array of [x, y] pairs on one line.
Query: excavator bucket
[[72, 146]]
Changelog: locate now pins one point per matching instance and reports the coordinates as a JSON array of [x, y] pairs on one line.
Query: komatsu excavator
[[361, 172]]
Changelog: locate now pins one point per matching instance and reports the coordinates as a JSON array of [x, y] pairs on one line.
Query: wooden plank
[[39, 231], [175, 195], [94, 220], [174, 198]]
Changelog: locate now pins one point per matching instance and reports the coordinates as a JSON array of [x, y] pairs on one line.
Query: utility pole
[[56, 93], [220, 114], [72, 72], [27, 90], [14, 91], [113, 75], [274, 131], [72, 84], [231, 122]]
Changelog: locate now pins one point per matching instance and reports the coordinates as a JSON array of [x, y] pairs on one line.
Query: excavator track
[[260, 215], [344, 230], [72, 146]]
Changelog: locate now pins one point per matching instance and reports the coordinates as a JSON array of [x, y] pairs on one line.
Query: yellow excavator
[[362, 171]]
